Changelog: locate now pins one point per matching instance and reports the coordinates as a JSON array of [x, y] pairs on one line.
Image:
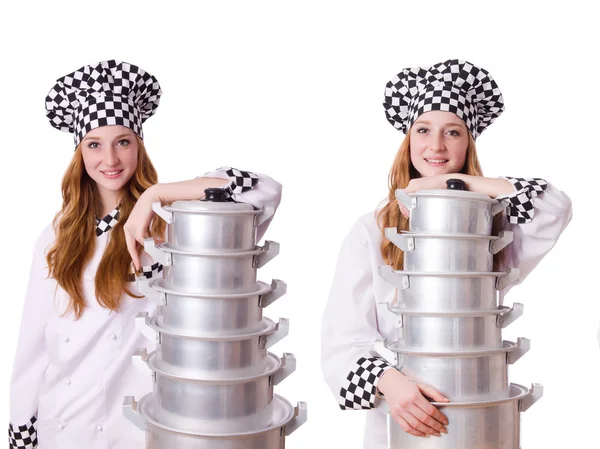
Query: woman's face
[[110, 156], [438, 143]]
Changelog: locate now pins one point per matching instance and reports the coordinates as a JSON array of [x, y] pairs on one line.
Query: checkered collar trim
[[108, 222]]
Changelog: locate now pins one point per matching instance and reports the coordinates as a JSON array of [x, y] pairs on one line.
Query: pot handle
[[288, 366], [508, 316], [499, 207], [270, 250], [536, 392], [400, 240], [140, 361], [282, 330], [503, 240], [405, 200], [162, 213], [390, 356], [142, 325], [511, 275], [131, 412], [398, 280], [301, 413], [156, 253], [143, 285], [266, 213], [523, 345], [278, 289]]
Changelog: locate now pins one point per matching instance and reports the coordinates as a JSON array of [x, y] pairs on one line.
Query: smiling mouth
[[111, 173], [436, 161]]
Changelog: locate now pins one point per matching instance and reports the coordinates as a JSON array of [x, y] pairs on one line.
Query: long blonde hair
[[75, 229], [401, 173]]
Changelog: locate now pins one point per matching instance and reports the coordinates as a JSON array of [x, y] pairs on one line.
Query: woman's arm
[[242, 186], [31, 359]]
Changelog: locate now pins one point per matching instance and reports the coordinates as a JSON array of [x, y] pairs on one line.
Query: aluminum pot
[[286, 419], [447, 292], [231, 314], [448, 252], [450, 211], [212, 224], [443, 332], [478, 424], [459, 375], [211, 272], [205, 356], [238, 405]]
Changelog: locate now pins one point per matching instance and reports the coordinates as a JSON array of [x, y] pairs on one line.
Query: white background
[[294, 90]]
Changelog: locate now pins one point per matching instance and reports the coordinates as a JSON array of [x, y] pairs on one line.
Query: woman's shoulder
[[44, 239], [366, 228]]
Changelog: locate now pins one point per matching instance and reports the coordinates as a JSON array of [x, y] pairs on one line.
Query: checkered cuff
[[23, 437], [359, 391], [520, 209], [148, 271]]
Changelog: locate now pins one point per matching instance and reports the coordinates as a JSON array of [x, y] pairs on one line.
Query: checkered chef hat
[[108, 93], [455, 86]]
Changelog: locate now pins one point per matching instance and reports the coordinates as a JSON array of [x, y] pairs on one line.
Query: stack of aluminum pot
[[212, 372], [450, 319]]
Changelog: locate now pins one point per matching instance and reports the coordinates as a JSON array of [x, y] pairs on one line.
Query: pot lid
[[215, 200], [456, 188]]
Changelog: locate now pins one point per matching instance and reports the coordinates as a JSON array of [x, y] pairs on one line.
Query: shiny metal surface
[[207, 226], [233, 272], [462, 375], [443, 332], [448, 252], [240, 404], [285, 420], [226, 355], [446, 292], [217, 314], [450, 212], [479, 425]]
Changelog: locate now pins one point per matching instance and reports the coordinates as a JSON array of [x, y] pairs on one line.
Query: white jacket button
[[113, 336], [100, 428], [67, 339], [62, 425], [67, 381]]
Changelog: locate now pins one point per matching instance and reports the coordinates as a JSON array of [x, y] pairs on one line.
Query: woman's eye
[[454, 133], [421, 130], [93, 145], [124, 142]]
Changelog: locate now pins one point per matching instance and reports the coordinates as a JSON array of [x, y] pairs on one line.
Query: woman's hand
[[136, 226], [408, 406], [493, 187]]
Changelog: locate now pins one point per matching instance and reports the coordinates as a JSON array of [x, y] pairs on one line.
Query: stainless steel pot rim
[[165, 247], [283, 413], [268, 328], [517, 392], [236, 211], [450, 314], [451, 274], [458, 194], [507, 346], [273, 363], [449, 236], [262, 288]]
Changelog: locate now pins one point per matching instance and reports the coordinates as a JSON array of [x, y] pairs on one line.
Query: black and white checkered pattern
[[360, 388], [108, 93], [241, 181], [454, 86], [23, 437], [107, 223], [148, 271], [521, 208]]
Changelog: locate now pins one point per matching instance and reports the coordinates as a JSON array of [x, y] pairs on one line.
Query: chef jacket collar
[[108, 222]]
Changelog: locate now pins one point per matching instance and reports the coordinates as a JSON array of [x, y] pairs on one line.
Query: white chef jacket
[[71, 375], [353, 320]]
